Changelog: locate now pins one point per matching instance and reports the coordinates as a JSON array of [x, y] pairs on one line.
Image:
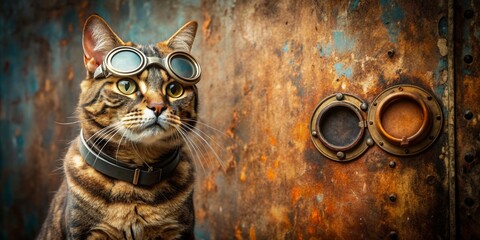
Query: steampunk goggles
[[127, 61]]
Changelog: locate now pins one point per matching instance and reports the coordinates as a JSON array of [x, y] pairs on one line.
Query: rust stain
[[251, 233]]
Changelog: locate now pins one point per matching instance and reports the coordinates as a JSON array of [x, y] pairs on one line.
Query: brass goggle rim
[[106, 69]]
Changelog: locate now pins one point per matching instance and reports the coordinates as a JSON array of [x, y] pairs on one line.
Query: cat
[[135, 125]]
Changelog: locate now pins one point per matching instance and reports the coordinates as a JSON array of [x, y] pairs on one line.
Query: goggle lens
[[126, 61], [183, 66]]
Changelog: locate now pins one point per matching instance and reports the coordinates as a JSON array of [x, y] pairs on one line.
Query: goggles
[[127, 61]]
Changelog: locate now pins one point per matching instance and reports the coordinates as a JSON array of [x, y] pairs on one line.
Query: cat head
[[150, 107]]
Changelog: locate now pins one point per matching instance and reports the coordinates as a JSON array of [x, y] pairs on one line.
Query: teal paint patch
[[7, 192], [341, 70], [341, 42], [442, 66], [392, 14], [285, 47], [354, 5]]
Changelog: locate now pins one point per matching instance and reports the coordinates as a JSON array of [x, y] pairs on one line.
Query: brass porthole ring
[[337, 127], [405, 120]]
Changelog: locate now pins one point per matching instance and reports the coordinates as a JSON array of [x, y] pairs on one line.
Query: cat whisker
[[204, 142], [190, 144]]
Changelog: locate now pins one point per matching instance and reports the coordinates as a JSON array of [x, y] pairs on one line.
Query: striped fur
[[90, 205]]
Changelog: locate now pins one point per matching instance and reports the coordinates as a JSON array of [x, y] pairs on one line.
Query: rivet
[[339, 96], [381, 143], [468, 59], [468, 115], [393, 235], [364, 106], [400, 88], [341, 155], [469, 202], [431, 180], [439, 117], [469, 157], [314, 133], [468, 14], [374, 104], [429, 98], [391, 53], [392, 198], [370, 142], [392, 164], [370, 122]]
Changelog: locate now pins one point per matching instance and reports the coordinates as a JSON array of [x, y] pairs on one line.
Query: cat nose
[[157, 107]]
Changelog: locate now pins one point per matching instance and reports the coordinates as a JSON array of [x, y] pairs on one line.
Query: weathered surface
[[266, 65], [467, 77]]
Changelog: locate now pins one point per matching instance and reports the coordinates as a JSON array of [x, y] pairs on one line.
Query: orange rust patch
[[252, 233], [243, 176], [271, 174]]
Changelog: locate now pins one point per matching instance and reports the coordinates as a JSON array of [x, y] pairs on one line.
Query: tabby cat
[[126, 174]]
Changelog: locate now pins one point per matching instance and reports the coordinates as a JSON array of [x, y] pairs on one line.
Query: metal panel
[[467, 76], [266, 65]]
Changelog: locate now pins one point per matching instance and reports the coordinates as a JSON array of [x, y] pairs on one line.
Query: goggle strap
[[99, 72]]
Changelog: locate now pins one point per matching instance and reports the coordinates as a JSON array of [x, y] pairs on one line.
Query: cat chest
[[133, 222]]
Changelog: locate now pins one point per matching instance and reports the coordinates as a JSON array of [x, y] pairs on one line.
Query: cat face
[[150, 107]]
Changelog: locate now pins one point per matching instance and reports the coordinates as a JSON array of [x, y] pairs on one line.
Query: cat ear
[[183, 38], [98, 39]]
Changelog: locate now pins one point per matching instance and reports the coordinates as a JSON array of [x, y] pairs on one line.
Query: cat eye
[[174, 90], [127, 86]]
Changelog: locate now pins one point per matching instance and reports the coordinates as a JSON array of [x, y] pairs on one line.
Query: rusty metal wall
[[267, 64], [467, 76]]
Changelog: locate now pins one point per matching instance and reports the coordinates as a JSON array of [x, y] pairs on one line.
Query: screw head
[[370, 142], [341, 155], [468, 14], [339, 96], [364, 106], [314, 133], [469, 157], [468, 59], [392, 164], [392, 198], [468, 115]]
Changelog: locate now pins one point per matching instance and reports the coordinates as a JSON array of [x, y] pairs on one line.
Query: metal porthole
[[337, 127], [405, 120]]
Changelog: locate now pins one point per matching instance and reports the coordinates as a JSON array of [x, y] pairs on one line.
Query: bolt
[[393, 235], [339, 96], [392, 164], [469, 202], [391, 53], [364, 106], [468, 59], [469, 157], [341, 155], [392, 198], [468, 14], [431, 180], [370, 142], [468, 115]]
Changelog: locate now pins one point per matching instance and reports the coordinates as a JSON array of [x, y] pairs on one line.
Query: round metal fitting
[[337, 127], [406, 120]]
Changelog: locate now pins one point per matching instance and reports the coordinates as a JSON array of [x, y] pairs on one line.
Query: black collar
[[145, 176]]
